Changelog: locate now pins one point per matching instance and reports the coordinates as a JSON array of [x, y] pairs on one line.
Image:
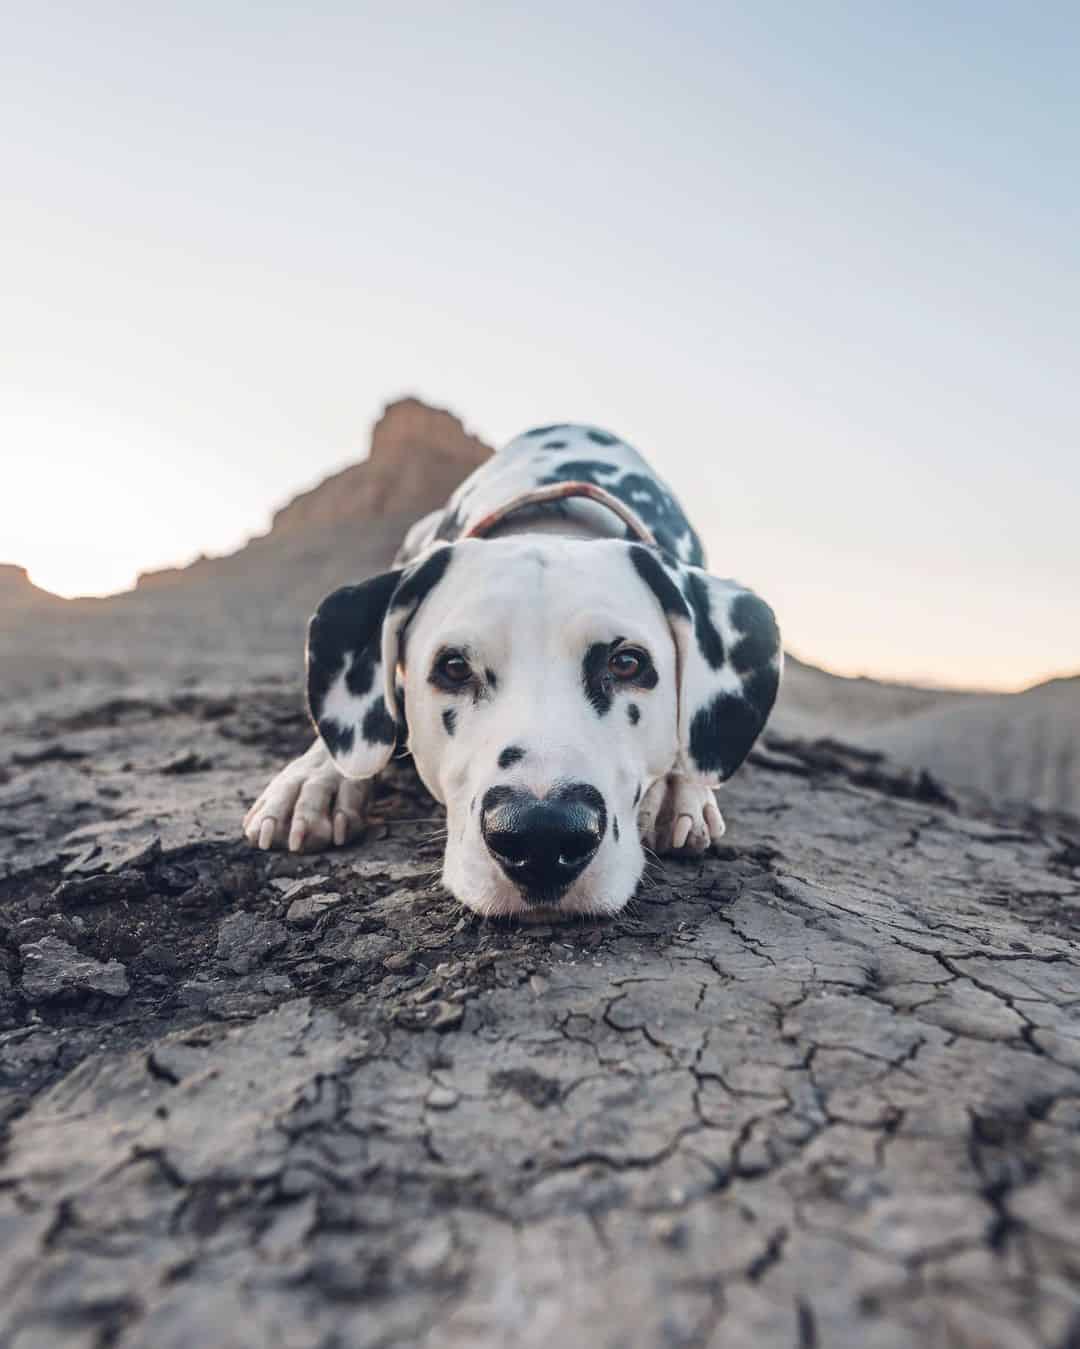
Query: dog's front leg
[[308, 806], [679, 816]]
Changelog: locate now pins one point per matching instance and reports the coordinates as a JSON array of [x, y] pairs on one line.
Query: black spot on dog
[[379, 727], [694, 555], [511, 755], [637, 794], [633, 712], [361, 672], [709, 641], [554, 445], [602, 437], [760, 689], [449, 720], [348, 620], [759, 637], [651, 571], [615, 827], [722, 732], [661, 512], [597, 678], [595, 471], [545, 430], [337, 738], [492, 681], [416, 584]]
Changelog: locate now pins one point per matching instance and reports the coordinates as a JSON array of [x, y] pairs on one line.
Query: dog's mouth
[[535, 915], [506, 903], [539, 915]]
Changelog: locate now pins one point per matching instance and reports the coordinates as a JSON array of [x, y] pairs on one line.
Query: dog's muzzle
[[543, 844]]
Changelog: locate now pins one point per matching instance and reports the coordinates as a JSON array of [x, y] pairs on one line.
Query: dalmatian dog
[[571, 682]]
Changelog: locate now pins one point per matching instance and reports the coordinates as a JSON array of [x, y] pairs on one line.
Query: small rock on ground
[[53, 970]]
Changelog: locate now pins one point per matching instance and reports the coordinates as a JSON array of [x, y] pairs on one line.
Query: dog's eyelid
[[629, 644], [452, 649]]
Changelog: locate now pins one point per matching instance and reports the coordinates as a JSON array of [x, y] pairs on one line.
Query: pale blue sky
[[818, 260]]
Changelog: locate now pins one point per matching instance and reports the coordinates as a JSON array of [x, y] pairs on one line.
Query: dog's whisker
[[406, 819]]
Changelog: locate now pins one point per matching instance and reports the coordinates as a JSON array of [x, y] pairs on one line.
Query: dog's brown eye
[[453, 668], [627, 663]]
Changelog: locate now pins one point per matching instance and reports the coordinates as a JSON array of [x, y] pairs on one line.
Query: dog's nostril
[[577, 847], [508, 846]]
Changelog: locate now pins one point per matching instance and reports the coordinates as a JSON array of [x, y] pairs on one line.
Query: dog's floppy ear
[[352, 656], [729, 659]]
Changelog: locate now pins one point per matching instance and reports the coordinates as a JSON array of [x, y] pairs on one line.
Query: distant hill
[[244, 615], [1022, 747], [813, 701], [351, 523], [1011, 746], [18, 592]]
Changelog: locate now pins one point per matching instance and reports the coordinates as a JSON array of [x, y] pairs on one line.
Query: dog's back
[[549, 455]]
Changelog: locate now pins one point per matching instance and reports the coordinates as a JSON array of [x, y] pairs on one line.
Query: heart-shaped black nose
[[543, 845]]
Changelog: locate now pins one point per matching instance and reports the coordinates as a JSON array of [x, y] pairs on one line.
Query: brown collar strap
[[559, 492]]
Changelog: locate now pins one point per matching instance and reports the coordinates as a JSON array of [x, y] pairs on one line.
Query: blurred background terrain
[[224, 620]]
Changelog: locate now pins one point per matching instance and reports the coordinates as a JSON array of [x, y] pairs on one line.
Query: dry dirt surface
[[820, 1090]]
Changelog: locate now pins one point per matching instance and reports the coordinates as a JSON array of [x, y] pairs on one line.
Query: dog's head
[[544, 684]]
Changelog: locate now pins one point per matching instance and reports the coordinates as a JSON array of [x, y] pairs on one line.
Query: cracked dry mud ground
[[820, 1090]]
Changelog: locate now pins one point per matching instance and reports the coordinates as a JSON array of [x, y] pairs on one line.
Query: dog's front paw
[[677, 816], [308, 806]]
